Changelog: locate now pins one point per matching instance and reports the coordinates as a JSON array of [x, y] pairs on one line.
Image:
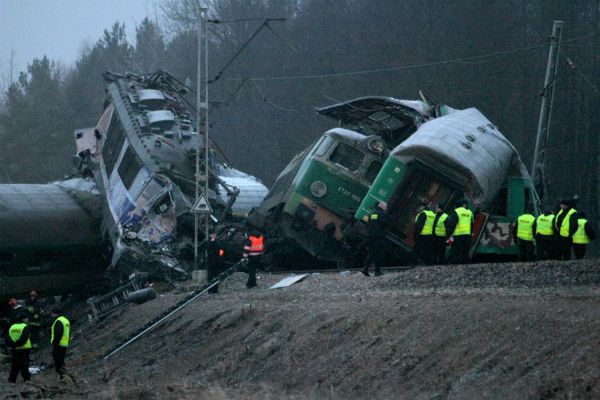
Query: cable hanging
[[413, 66]]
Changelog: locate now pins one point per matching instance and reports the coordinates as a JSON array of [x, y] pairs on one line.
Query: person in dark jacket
[[212, 269], [18, 340], [440, 237], [582, 236], [34, 309], [59, 338], [377, 224]]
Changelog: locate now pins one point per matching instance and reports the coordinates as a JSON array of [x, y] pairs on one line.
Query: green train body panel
[[383, 187], [343, 193], [496, 238]]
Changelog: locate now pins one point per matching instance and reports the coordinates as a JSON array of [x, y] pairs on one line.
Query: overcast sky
[[59, 28]]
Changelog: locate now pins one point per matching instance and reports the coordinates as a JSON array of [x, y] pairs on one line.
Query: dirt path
[[481, 331]]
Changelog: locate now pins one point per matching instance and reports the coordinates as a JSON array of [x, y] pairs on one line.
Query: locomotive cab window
[[347, 156]]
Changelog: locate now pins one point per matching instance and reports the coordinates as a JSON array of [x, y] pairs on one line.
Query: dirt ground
[[519, 331]]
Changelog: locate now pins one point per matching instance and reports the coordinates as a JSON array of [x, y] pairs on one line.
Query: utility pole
[[539, 155], [201, 111]]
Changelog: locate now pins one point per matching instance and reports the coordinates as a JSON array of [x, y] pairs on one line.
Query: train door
[[419, 187]]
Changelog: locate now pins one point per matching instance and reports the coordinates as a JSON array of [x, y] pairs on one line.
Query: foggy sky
[[59, 28]]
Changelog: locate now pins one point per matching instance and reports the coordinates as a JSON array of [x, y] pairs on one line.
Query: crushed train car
[[142, 155], [403, 152]]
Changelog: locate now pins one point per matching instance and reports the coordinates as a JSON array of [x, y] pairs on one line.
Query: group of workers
[[547, 236], [432, 231], [553, 236], [22, 333]]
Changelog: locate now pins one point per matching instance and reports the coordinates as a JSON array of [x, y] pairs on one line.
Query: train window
[[347, 156], [112, 145], [129, 168], [373, 170], [323, 146]]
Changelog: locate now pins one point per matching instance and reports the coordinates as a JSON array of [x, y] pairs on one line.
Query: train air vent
[[151, 98]]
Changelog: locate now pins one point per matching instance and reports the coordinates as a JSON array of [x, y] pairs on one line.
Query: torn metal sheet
[[289, 281]]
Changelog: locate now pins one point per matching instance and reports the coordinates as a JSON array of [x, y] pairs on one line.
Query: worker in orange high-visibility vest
[[254, 247]]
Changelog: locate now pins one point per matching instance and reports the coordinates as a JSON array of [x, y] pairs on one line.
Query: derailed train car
[[402, 152], [142, 156]]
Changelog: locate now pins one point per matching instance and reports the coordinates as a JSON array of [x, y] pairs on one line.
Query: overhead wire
[[412, 66]]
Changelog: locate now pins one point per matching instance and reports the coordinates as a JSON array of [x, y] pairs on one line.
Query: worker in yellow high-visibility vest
[[544, 235], [19, 341], [460, 223], [523, 234], [59, 338], [582, 236], [440, 236], [565, 225], [423, 233]]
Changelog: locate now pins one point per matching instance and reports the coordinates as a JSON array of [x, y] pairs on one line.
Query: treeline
[[319, 56]]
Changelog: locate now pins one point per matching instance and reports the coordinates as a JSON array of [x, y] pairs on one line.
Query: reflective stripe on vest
[[580, 237], [544, 225], [525, 227], [463, 225], [440, 227], [15, 332], [257, 245], [64, 340], [566, 223], [428, 226]]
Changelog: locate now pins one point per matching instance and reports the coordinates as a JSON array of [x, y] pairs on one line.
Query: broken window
[[373, 170], [129, 168], [323, 146], [112, 145], [347, 156]]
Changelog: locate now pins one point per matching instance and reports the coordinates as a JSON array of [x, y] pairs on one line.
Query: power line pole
[[539, 155], [201, 108]]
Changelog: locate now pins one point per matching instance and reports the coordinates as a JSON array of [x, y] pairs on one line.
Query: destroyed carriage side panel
[[47, 241]]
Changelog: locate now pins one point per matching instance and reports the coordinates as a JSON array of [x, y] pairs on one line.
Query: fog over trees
[[329, 51]]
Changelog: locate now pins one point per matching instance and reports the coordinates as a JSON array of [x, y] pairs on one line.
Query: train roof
[[465, 146], [157, 121], [388, 117]]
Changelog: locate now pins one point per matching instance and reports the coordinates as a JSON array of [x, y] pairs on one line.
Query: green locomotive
[[404, 153]]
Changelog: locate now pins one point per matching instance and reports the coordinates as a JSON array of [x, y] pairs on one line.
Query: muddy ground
[[479, 331]]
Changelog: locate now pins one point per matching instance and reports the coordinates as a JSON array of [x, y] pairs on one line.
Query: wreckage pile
[[494, 331]]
